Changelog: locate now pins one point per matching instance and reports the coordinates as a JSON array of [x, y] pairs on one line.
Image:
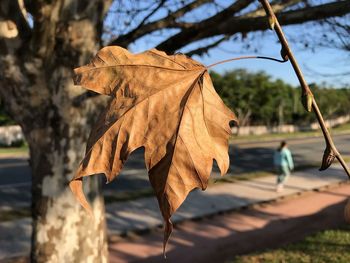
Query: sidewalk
[[222, 237], [143, 214]]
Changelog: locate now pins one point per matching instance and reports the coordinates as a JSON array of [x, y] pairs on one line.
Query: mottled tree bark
[[37, 89], [62, 230]]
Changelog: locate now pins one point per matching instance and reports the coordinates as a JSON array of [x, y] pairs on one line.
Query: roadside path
[[142, 215], [220, 238]]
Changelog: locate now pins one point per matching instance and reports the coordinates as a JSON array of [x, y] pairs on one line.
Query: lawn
[[326, 246], [340, 129], [23, 150], [343, 127]]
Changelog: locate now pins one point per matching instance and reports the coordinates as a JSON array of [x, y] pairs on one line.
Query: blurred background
[[45, 121]]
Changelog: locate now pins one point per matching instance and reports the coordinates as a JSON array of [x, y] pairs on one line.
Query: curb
[[114, 238]]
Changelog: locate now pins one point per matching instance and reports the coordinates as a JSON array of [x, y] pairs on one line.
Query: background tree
[[191, 22], [260, 100], [41, 42], [4, 117]]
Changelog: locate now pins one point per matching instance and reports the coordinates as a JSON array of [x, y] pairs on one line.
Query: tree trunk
[[62, 230], [37, 88]]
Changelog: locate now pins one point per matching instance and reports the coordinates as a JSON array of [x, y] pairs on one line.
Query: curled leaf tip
[[306, 100], [76, 186], [168, 229], [328, 158]]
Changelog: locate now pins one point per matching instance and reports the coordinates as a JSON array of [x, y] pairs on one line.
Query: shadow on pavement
[[213, 240]]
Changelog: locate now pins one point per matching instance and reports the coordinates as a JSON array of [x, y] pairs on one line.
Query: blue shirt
[[283, 158]]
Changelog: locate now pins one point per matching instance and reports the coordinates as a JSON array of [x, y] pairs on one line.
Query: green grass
[[342, 127], [14, 214], [339, 129], [240, 177], [128, 195], [274, 136], [326, 246], [14, 150], [253, 175]]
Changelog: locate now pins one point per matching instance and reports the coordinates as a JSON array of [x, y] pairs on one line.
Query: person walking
[[284, 164]]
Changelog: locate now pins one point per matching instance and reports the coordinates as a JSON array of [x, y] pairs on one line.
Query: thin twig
[[305, 88], [245, 57]]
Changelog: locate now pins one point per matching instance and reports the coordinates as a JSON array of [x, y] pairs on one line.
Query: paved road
[[143, 216], [15, 175]]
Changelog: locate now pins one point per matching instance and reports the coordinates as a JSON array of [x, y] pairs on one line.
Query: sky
[[318, 64], [321, 65]]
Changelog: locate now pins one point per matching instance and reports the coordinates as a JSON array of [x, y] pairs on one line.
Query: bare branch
[[342, 31], [331, 151], [166, 22], [161, 3], [202, 50], [241, 24], [224, 14], [277, 6]]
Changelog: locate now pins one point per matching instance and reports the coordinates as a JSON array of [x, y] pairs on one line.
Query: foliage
[[325, 246], [4, 117], [166, 104], [15, 151], [257, 99], [260, 100]]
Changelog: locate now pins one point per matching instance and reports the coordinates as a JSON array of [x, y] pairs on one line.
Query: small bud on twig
[[284, 54], [306, 100], [272, 21], [307, 97], [328, 158]]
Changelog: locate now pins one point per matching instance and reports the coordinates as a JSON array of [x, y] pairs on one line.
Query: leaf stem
[[245, 57], [304, 86]]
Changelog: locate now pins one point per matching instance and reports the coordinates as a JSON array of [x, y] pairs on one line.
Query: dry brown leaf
[[166, 104]]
